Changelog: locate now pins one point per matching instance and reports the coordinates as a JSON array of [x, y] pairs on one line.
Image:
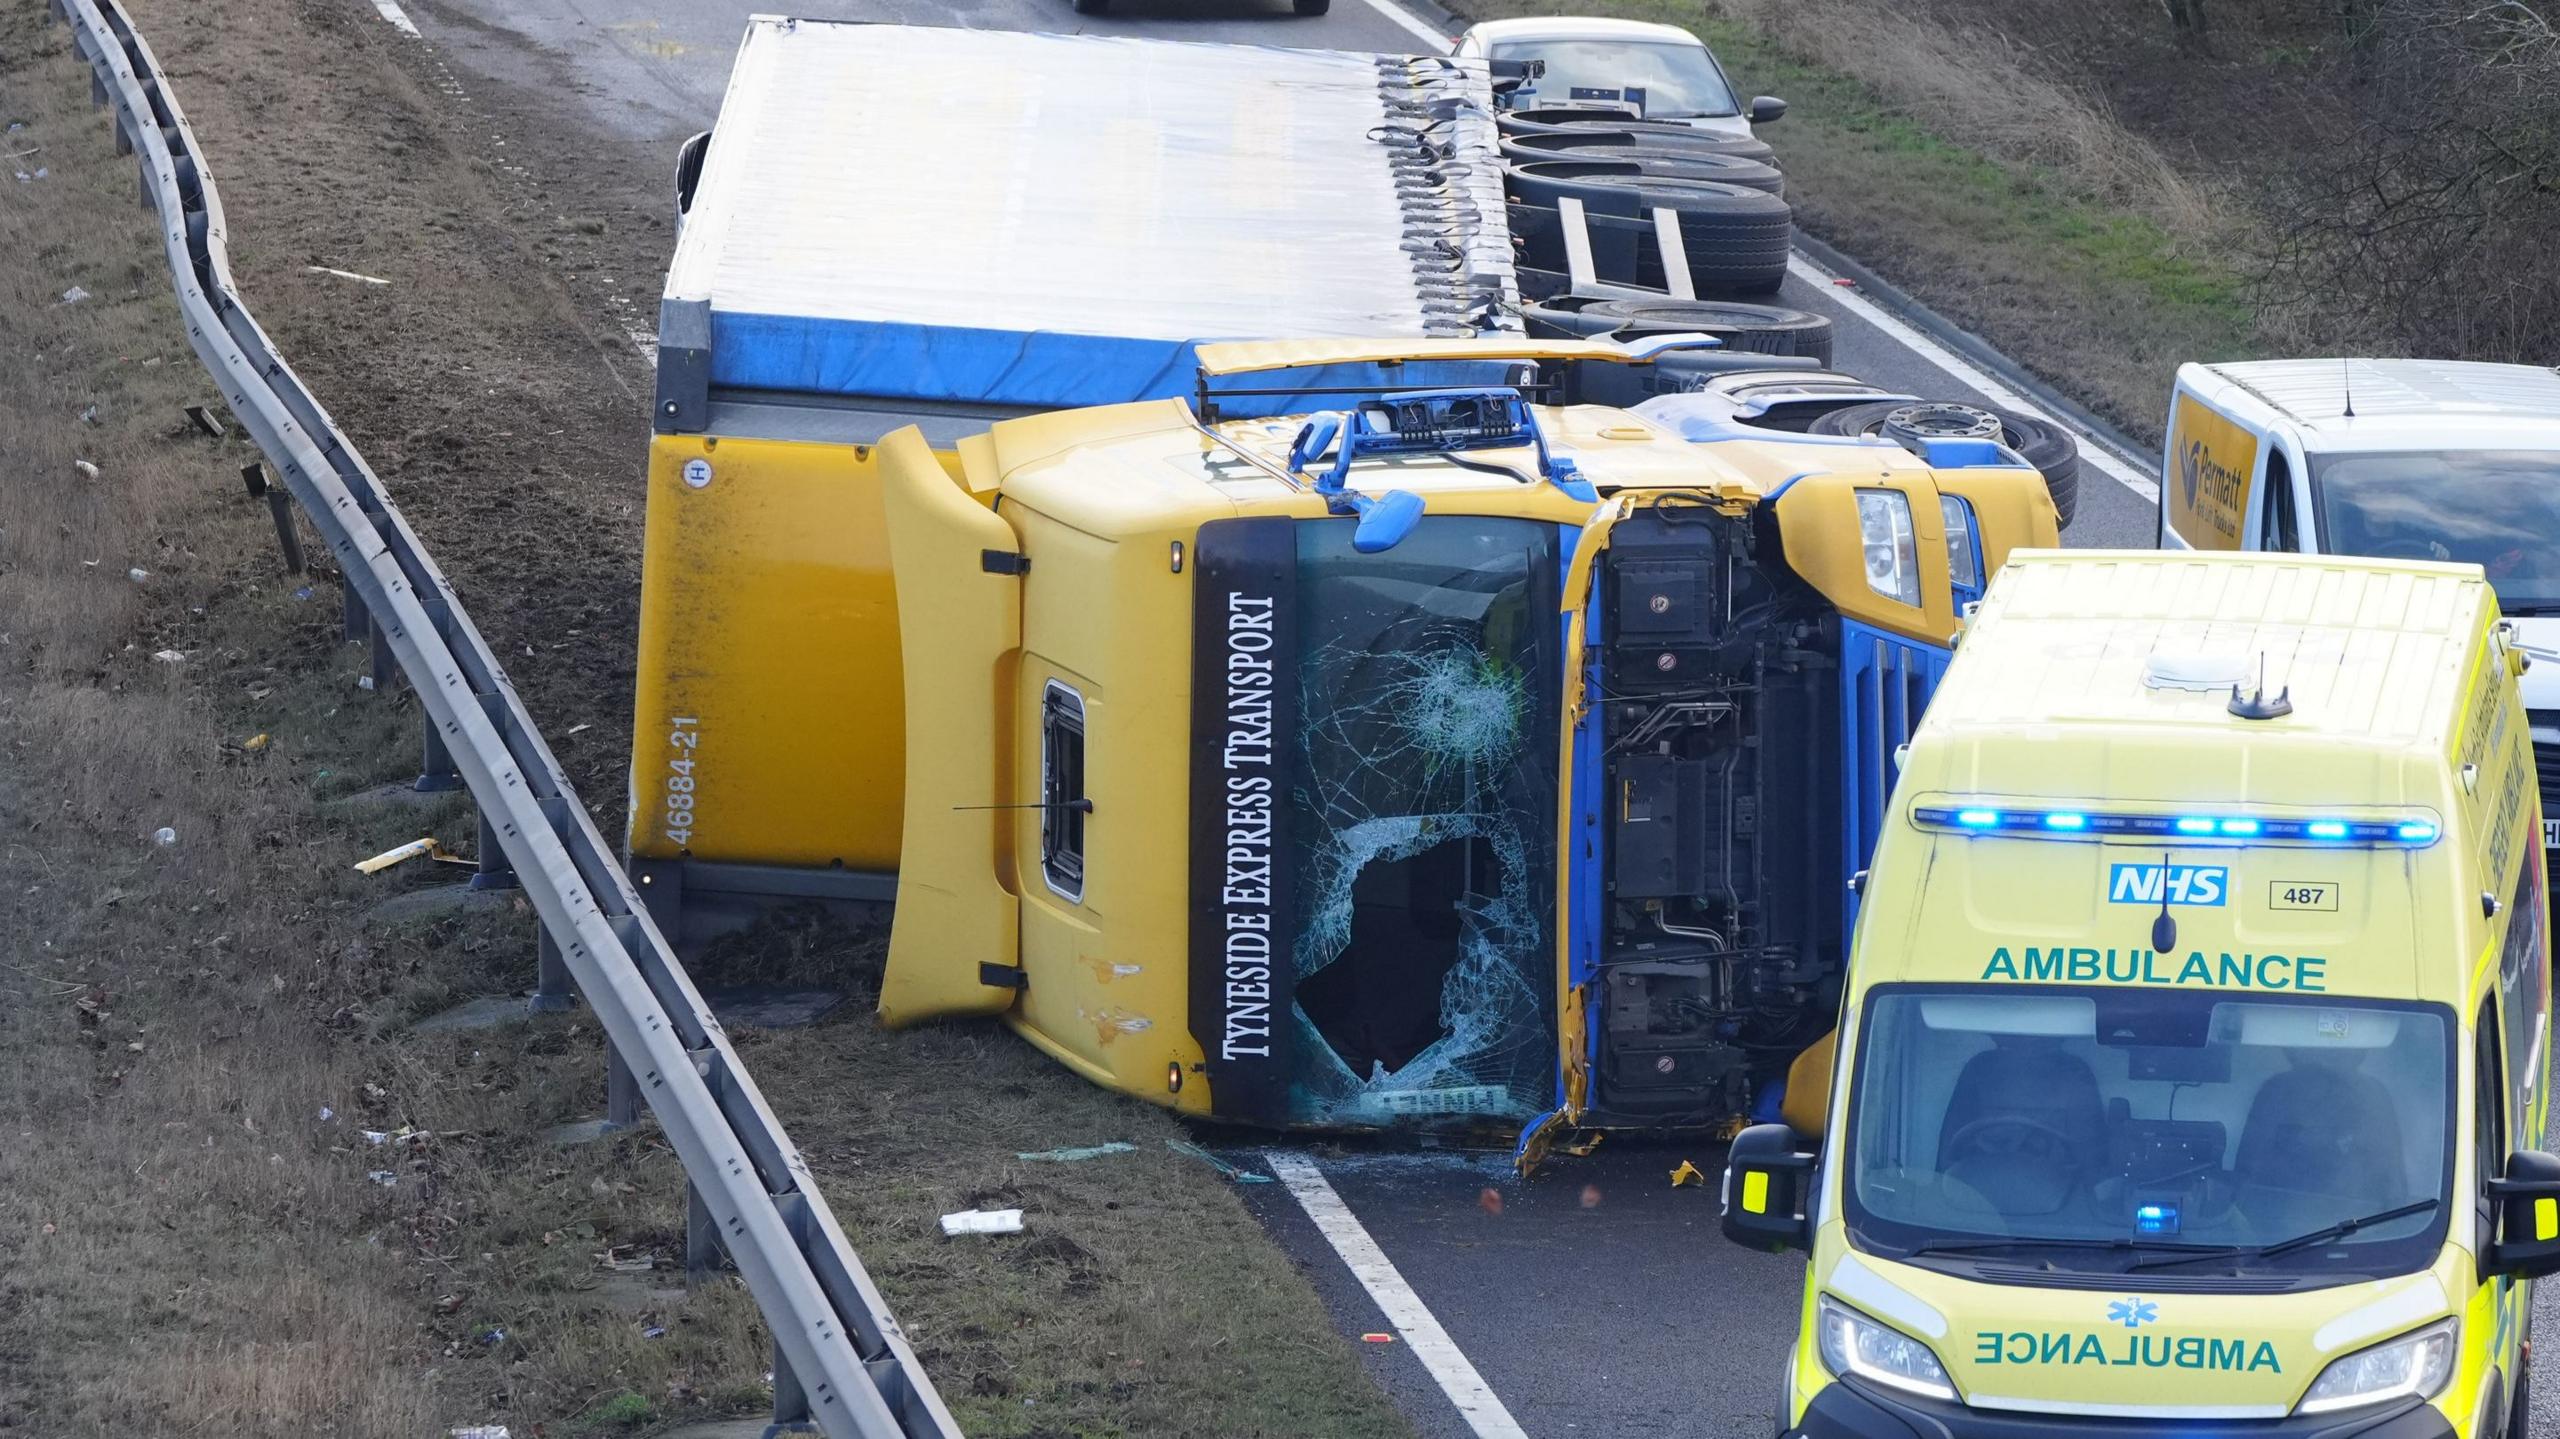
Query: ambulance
[[2192, 1073]]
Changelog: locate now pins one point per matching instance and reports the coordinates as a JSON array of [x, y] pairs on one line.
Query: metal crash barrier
[[840, 1360]]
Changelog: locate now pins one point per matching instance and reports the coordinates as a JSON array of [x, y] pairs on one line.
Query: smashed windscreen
[[1406, 870]]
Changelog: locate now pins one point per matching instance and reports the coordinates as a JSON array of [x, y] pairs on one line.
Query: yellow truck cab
[[1447, 757], [2193, 1066]]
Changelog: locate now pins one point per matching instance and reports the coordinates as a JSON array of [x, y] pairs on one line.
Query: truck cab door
[[954, 946]]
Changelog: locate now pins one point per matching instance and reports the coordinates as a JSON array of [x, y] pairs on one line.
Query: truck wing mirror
[[1768, 1189], [1767, 109], [689, 170], [2528, 1200]]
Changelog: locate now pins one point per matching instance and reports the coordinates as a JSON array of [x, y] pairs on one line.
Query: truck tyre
[[2046, 446], [1745, 329], [1597, 143], [1312, 7], [1678, 184], [1521, 124], [2520, 1416], [1695, 165]]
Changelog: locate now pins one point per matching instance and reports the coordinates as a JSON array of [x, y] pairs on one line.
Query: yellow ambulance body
[[2193, 1069]]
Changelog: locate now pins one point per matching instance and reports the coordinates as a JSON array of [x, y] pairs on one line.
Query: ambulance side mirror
[[2528, 1200], [1768, 1189]]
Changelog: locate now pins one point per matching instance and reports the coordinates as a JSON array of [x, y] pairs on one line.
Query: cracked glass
[[1423, 800]]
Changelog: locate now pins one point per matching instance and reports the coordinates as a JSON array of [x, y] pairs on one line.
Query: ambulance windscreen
[[2095, 1129]]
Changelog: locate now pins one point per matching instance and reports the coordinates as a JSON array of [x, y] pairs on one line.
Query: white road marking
[[1404, 1309], [2091, 451], [398, 17], [1412, 23]]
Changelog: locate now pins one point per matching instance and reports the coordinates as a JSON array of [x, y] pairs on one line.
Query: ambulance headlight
[[1854, 1344], [2413, 1366], [1893, 548]]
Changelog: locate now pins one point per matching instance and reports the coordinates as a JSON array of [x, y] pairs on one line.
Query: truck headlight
[[1854, 1344], [1964, 568], [2411, 1366], [1893, 554]]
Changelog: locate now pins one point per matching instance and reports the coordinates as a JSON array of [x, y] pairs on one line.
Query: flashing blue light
[[1978, 818], [2241, 827], [2059, 820], [2326, 829], [2417, 833], [2195, 826], [2155, 1219]]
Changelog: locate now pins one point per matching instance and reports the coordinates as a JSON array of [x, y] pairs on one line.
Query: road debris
[[482, 1431], [383, 1177], [164, 836], [983, 1221], [426, 848], [1376, 1336], [1687, 1173], [74, 295], [169, 657], [87, 470], [138, 575], [1240, 1176], [346, 274], [1069, 1156]]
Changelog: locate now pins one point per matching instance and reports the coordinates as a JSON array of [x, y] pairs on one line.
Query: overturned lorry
[[1376, 733]]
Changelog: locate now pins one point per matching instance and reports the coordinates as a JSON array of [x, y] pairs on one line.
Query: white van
[[2400, 459]]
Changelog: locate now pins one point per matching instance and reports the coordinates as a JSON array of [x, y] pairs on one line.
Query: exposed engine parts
[[1715, 689]]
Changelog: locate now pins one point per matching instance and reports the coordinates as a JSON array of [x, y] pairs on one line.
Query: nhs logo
[[2170, 883]]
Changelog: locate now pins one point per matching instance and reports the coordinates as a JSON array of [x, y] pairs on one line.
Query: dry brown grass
[[1979, 87]]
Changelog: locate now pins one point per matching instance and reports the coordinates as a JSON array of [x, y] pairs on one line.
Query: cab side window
[[2489, 1121], [2524, 982], [2283, 533], [1062, 798]]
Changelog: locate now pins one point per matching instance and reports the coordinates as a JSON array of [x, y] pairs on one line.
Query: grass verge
[[199, 1230], [2016, 207]]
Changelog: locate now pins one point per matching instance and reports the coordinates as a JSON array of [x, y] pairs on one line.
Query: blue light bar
[[2155, 1219], [2079, 823]]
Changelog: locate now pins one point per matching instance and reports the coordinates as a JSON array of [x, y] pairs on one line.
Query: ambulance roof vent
[[2205, 674]]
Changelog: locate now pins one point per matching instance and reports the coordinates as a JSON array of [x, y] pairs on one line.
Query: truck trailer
[[1361, 730]]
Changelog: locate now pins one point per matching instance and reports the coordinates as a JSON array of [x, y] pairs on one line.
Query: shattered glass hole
[[1378, 1003]]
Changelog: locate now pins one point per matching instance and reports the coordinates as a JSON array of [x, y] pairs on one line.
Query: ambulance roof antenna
[[2347, 384], [2258, 706]]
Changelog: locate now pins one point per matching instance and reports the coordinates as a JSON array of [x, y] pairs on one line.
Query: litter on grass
[[401, 854], [74, 295], [87, 470], [383, 1177], [164, 836], [983, 1221], [1090, 1151]]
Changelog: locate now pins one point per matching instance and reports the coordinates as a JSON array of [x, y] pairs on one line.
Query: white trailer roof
[[1026, 219]]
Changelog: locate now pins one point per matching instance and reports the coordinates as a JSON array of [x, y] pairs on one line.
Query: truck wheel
[[1575, 142], [1750, 329], [2046, 446], [1691, 182], [1312, 7]]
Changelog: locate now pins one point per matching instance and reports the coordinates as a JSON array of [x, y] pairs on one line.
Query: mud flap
[[955, 944]]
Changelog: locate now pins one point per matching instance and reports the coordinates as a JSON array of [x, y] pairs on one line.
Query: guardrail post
[[790, 1401], [554, 991], [494, 871], [702, 1252], [621, 1091]]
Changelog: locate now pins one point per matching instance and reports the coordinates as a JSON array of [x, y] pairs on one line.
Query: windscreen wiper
[[2113, 1246], [2339, 1230], [2514, 609]]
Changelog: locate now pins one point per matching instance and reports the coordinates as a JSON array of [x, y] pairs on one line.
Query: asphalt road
[[1597, 1299]]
